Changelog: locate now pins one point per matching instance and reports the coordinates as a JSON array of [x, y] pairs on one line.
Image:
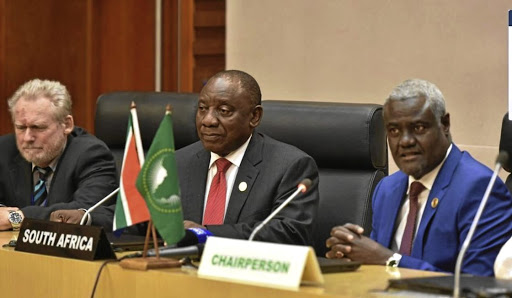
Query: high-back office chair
[[348, 143], [112, 110], [506, 145], [346, 140]]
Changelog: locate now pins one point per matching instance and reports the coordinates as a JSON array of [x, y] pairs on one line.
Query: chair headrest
[[112, 110], [506, 141], [355, 132]]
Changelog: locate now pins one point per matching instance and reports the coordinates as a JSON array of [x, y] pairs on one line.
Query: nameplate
[[259, 263], [64, 240]]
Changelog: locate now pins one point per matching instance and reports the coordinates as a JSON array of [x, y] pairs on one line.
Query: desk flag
[[158, 183], [130, 205]]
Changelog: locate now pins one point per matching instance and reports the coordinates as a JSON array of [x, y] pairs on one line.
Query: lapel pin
[[242, 186], [434, 203]]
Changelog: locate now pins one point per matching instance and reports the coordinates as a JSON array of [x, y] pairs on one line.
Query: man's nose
[[28, 135], [407, 139], [210, 118]]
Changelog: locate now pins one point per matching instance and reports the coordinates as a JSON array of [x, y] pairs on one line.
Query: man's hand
[[190, 224], [348, 241], [68, 216], [5, 224]]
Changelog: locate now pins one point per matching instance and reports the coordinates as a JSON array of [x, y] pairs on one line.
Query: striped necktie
[[40, 192]]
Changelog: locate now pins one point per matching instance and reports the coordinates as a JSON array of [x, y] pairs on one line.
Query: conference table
[[33, 275]]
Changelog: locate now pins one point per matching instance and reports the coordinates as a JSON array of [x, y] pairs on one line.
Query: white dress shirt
[[235, 158]]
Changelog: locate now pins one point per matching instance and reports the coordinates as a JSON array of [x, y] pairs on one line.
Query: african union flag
[[158, 184]]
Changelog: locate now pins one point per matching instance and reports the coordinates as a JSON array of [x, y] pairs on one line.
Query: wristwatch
[[394, 260], [15, 218]]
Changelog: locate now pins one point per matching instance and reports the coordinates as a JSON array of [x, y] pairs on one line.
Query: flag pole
[[136, 132], [155, 241], [151, 230], [146, 241]]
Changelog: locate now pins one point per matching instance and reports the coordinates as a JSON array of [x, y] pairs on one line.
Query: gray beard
[[46, 157]]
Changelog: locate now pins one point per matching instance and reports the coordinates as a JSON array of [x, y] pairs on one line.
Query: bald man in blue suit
[[454, 183]]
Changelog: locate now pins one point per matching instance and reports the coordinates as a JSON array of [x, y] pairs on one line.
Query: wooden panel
[[36, 43], [210, 41], [206, 66], [186, 41], [210, 18], [170, 45], [5, 122], [202, 5], [210, 13], [126, 45], [96, 46], [91, 63]]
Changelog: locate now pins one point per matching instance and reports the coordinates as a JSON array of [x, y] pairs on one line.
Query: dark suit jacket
[[272, 171], [85, 174], [459, 187]]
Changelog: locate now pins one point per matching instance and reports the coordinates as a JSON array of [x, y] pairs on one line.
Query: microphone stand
[[301, 188], [502, 157], [82, 222]]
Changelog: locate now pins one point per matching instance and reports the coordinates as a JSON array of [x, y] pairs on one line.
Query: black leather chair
[[112, 110], [346, 140], [348, 143], [506, 145]]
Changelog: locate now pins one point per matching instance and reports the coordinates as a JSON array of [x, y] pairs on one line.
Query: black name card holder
[[64, 240]]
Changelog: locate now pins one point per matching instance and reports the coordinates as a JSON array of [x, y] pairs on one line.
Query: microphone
[[500, 161], [177, 252], [194, 236], [302, 187], [86, 214], [191, 245]]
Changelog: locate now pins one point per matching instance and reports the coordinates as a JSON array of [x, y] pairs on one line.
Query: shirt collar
[[428, 179], [52, 165], [235, 157]]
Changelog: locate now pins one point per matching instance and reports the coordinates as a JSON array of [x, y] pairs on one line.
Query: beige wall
[[358, 50]]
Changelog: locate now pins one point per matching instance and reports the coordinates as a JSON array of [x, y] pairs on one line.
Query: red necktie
[[408, 237], [216, 204]]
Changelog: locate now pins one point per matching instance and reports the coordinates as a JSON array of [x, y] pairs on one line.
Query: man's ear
[[256, 114], [445, 122], [69, 124]]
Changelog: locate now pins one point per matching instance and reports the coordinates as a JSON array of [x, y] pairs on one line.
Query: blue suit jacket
[[459, 187]]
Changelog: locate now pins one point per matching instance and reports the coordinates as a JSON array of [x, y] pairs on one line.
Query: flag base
[[149, 263]]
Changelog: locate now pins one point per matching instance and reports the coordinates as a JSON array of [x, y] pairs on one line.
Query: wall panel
[[43, 39], [98, 46], [358, 50]]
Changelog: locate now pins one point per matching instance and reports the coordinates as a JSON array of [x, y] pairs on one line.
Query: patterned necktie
[[408, 237], [216, 204], [40, 192]]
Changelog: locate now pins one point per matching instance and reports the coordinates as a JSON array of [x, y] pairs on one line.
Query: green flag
[[158, 184]]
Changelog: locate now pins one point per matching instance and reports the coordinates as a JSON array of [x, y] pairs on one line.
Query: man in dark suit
[[49, 164], [261, 172], [424, 227]]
